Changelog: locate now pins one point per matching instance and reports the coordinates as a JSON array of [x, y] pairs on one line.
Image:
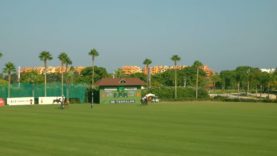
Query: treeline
[[71, 76], [185, 77], [241, 79], [245, 79]]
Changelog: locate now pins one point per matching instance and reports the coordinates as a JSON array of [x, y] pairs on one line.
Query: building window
[[122, 81]]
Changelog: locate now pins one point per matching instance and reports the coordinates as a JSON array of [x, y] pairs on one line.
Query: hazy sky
[[221, 33]]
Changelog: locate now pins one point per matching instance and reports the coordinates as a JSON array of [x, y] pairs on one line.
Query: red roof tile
[[120, 82]]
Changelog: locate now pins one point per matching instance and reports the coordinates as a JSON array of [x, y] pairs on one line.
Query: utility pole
[[196, 88]]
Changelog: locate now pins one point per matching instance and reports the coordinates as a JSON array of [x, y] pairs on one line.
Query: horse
[[58, 100], [62, 101]]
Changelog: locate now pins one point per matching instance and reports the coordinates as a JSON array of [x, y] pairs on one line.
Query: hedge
[[167, 93]]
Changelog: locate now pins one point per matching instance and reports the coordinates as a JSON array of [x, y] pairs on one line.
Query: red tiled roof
[[120, 82]]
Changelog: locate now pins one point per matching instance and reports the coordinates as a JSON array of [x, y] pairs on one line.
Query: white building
[[268, 70]]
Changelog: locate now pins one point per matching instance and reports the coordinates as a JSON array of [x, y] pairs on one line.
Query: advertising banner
[[21, 101], [2, 102], [50, 100]]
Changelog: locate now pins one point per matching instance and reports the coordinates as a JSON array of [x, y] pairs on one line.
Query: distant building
[[268, 70], [209, 72], [160, 69], [50, 69], [128, 70]]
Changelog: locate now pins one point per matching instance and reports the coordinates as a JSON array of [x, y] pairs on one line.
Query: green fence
[[75, 92]]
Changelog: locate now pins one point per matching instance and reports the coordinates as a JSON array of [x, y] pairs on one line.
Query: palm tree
[[175, 59], [1, 54], [93, 53], [62, 57], [197, 64], [45, 56], [147, 62], [67, 63], [9, 69]]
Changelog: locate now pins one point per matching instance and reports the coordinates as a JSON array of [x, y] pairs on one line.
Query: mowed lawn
[[164, 129]]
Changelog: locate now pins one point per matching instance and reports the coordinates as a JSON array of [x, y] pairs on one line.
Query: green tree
[[139, 75], [119, 73], [1, 54], [69, 73], [45, 56], [147, 62], [175, 59], [197, 64], [85, 75], [215, 78], [9, 69], [228, 79], [93, 53], [62, 57], [241, 77], [165, 78], [33, 78], [274, 85]]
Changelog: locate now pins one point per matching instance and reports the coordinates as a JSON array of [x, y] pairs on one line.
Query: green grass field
[[165, 129]]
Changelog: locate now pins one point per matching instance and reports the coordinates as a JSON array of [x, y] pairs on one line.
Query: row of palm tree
[[65, 60], [9, 69], [93, 53], [175, 59], [46, 56]]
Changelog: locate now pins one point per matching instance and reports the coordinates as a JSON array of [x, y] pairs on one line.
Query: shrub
[[167, 93]]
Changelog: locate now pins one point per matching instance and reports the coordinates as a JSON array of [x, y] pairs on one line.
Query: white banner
[[21, 101], [50, 100]]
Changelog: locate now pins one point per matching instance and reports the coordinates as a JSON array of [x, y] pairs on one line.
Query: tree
[[119, 73], [93, 53], [141, 76], [69, 75], [32, 77], [85, 75], [9, 69], [62, 57], [175, 59], [1, 54], [45, 56], [228, 79], [215, 78], [197, 64], [241, 76], [147, 62]]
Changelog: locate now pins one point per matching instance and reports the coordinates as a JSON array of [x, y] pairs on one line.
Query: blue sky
[[221, 33]]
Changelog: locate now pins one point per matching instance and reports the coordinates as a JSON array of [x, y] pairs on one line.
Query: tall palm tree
[[175, 59], [62, 57], [9, 69], [93, 53], [67, 63], [147, 62], [45, 56], [1, 54]]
